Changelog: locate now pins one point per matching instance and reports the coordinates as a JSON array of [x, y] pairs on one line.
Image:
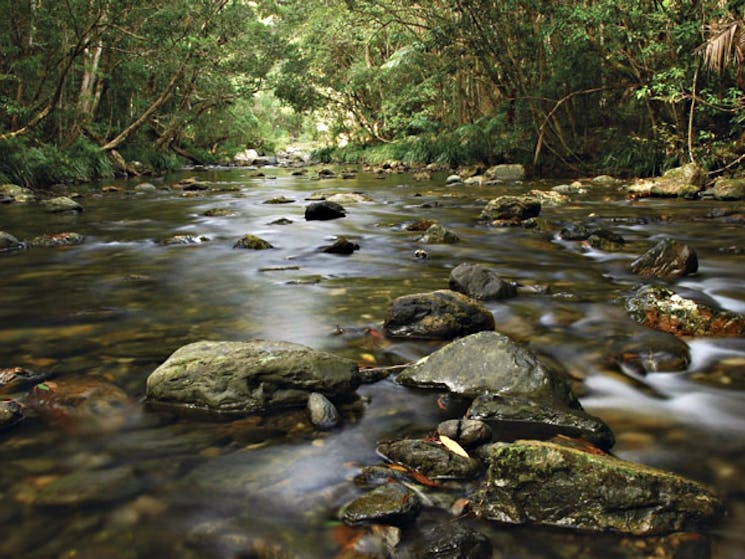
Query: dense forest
[[89, 88]]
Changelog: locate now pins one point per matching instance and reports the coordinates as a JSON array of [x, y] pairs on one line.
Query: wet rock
[[219, 212], [326, 174], [667, 260], [281, 221], [570, 189], [342, 245], [145, 187], [436, 234], [429, 458], [249, 377], [551, 484], [549, 198], [11, 413], [388, 504], [439, 315], [466, 432], [585, 231], [323, 414], [539, 420], [86, 404], [58, 240], [18, 378], [61, 204], [729, 189], [349, 198], [19, 194], [489, 362], [681, 182], [604, 180], [420, 225], [323, 211], [252, 242], [184, 240], [94, 487], [661, 308], [602, 242], [375, 542], [506, 172], [453, 180], [652, 351], [245, 158], [480, 282], [279, 200], [516, 208], [451, 540], [9, 243]]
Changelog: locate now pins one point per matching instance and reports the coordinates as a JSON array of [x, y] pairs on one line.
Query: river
[[118, 305]]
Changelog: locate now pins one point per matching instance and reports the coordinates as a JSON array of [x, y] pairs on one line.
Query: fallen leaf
[[367, 357], [453, 446]]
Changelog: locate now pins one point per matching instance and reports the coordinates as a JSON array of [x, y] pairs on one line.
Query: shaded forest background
[[90, 88]]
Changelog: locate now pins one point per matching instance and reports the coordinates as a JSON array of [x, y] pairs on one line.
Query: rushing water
[[121, 303]]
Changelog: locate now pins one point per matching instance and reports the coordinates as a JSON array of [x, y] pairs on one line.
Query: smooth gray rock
[[323, 413], [249, 377], [506, 172], [439, 315], [480, 282], [532, 482], [466, 432]]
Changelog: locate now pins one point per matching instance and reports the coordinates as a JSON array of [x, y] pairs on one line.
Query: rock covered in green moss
[[439, 315], [729, 189], [661, 308], [680, 182], [61, 204], [551, 484], [249, 377], [252, 242]]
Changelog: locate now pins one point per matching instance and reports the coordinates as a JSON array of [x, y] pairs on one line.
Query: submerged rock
[[91, 487], [439, 315], [451, 540], [511, 208], [667, 260], [11, 413], [252, 242], [279, 200], [324, 211], [391, 503], [661, 308], [429, 458], [480, 282], [58, 240], [249, 377], [436, 234], [9, 243], [551, 484], [61, 204]]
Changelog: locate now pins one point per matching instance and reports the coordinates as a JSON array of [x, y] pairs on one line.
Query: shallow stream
[[118, 305]]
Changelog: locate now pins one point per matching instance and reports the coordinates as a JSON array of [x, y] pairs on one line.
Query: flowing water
[[118, 305]]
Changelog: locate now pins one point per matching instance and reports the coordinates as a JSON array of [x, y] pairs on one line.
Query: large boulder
[[480, 282], [507, 172], [511, 208], [729, 189], [489, 362], [680, 182], [249, 377], [324, 211], [557, 485], [667, 260], [661, 308], [439, 315]]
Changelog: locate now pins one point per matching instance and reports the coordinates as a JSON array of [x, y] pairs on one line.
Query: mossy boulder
[[729, 189], [61, 204], [681, 182], [252, 242], [439, 315], [532, 482], [249, 377], [661, 308]]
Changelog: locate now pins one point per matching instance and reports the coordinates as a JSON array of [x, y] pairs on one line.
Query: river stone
[[16, 378], [436, 234], [439, 315], [539, 420], [348, 198], [652, 351], [480, 282], [661, 308], [11, 413], [506, 172], [511, 208], [453, 180], [145, 187], [8, 242], [323, 414], [451, 540], [466, 432], [681, 182], [61, 204], [729, 189], [429, 458], [279, 200], [94, 487], [489, 362], [58, 240], [183, 240], [19, 194], [252, 242], [667, 260], [391, 503], [245, 158], [342, 245], [549, 198], [249, 377], [324, 211], [551, 484]]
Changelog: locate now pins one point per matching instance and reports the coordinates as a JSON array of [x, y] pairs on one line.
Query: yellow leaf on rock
[[367, 357], [453, 446]]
